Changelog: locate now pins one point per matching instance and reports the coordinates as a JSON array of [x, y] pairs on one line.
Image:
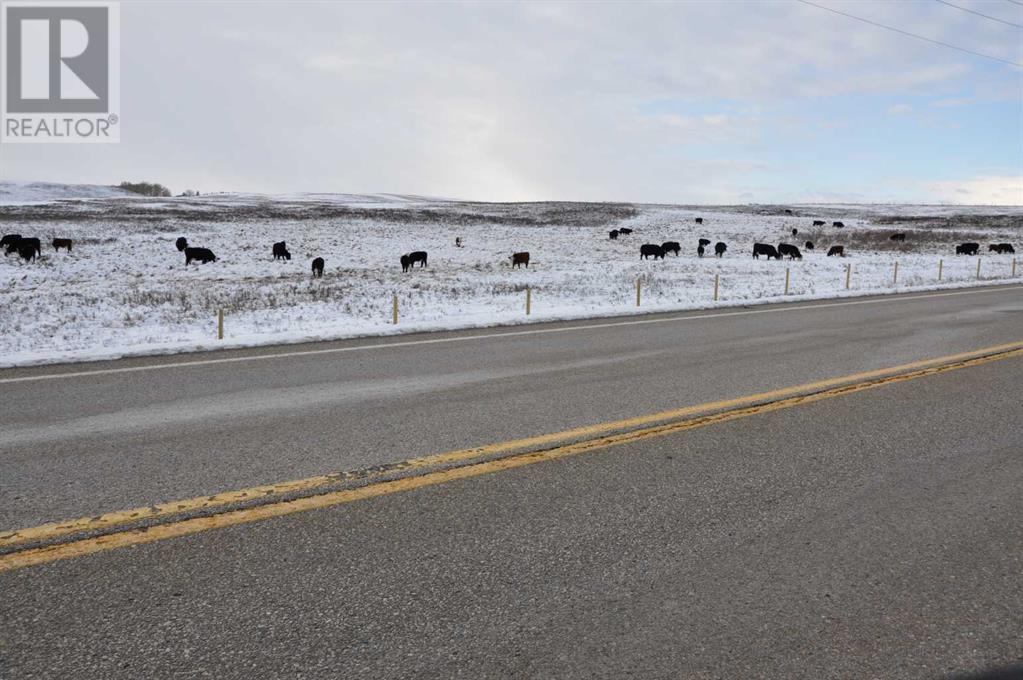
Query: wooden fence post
[[220, 324], [978, 268], [786, 280], [637, 291], [895, 274], [529, 296], [848, 275], [940, 264], [717, 277], [394, 310], [1013, 267]]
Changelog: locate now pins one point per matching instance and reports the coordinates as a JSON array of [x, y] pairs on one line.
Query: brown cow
[[59, 243]]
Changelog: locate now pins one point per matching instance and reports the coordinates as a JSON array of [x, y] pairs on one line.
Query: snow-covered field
[[126, 290]]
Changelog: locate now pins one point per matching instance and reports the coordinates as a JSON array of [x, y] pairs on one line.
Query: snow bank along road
[[871, 530], [125, 289]]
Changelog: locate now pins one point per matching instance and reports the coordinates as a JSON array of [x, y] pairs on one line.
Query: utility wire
[[986, 16], [1015, 2], [912, 35]]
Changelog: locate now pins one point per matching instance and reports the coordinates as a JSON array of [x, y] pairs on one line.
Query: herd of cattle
[[30, 248]]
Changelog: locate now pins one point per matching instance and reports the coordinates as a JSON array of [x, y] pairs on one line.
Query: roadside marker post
[[786, 280], [529, 300], [895, 274], [220, 324], [1013, 267], [638, 285], [978, 268], [718, 276], [394, 310], [848, 275], [940, 263]]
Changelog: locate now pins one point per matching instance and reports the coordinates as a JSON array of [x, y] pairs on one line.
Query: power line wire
[[986, 16], [911, 35], [1015, 2]]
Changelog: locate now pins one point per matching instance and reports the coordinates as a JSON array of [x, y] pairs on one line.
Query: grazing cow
[[404, 263], [765, 249], [201, 255], [59, 243], [818, 223], [318, 268], [417, 256], [838, 224], [967, 249], [519, 259], [719, 248], [181, 244], [1001, 248], [699, 251], [613, 234], [671, 247], [699, 220], [787, 211], [281, 251], [897, 237], [16, 246], [808, 245], [790, 250], [624, 230], [27, 251], [704, 241], [651, 250], [795, 232], [838, 251], [458, 241], [7, 240]]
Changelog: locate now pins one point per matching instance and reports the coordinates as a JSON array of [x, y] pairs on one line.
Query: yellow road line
[[54, 530], [35, 556]]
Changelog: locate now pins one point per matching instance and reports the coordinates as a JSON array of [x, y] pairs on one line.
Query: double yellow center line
[[57, 541]]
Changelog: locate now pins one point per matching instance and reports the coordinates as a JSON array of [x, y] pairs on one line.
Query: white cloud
[[986, 190], [900, 109]]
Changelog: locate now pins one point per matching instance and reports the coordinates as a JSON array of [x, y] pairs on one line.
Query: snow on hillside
[[27, 193], [124, 289]]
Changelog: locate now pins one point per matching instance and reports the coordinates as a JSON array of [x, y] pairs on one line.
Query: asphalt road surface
[[873, 534]]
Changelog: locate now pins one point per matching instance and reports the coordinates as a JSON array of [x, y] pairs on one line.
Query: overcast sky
[[709, 102]]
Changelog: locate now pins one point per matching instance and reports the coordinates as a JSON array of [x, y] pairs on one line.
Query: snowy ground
[[125, 289]]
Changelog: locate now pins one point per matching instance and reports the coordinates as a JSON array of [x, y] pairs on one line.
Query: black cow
[[699, 220], [765, 249], [15, 246], [201, 255], [719, 248], [838, 251], [280, 251], [704, 241], [318, 267], [27, 251], [672, 247], [795, 232], [1001, 248], [651, 250], [808, 245], [613, 234], [838, 224], [624, 230], [818, 223], [787, 211], [7, 240], [59, 243], [967, 249], [897, 237], [520, 259], [181, 244], [409, 261], [790, 250], [699, 250]]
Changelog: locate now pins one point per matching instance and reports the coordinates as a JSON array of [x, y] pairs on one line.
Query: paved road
[[83, 445], [876, 534]]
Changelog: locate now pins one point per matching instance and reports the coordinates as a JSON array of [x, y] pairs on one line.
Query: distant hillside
[[22, 193]]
